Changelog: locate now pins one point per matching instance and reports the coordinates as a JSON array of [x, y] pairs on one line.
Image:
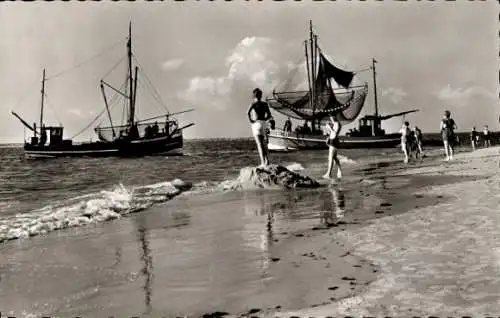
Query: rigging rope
[[143, 85], [293, 72], [112, 102], [25, 94], [51, 106], [114, 98], [151, 85], [85, 61], [90, 124], [114, 67]]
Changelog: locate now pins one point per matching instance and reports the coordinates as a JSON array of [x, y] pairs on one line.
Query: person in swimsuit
[[473, 138], [448, 127], [419, 137], [262, 115], [332, 141], [405, 134], [288, 126], [486, 136]]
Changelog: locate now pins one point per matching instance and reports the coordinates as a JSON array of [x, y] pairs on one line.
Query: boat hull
[[279, 141], [164, 145]]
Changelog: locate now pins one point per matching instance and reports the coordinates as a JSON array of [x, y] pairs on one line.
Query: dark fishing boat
[[158, 135], [332, 91]]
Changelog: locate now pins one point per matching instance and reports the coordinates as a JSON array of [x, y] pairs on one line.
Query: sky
[[211, 55]]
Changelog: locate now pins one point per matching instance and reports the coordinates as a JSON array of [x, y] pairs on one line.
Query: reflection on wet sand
[[333, 210], [147, 259], [263, 240]]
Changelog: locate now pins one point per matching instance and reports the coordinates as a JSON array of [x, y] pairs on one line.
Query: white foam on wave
[[344, 159], [229, 185], [87, 209], [295, 167]]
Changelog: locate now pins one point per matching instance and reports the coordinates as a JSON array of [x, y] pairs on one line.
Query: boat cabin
[[145, 130], [55, 134], [368, 126]]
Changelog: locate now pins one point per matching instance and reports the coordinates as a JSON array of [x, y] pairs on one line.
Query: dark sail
[[342, 77], [321, 99], [345, 105]]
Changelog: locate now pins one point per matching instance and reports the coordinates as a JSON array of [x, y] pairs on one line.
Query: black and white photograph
[[249, 158]]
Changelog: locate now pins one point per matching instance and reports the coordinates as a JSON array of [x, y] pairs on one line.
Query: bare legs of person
[[473, 142], [332, 158], [262, 148], [420, 150], [448, 149], [404, 147]]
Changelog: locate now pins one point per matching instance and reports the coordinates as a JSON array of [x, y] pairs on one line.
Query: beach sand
[[439, 259]]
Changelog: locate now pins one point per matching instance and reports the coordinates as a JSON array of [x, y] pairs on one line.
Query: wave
[[107, 205], [88, 209]]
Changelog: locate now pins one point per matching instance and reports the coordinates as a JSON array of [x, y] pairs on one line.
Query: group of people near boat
[[260, 133], [475, 137], [411, 139]]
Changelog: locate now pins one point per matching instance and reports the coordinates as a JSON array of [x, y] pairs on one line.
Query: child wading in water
[[448, 127], [332, 141], [405, 134]]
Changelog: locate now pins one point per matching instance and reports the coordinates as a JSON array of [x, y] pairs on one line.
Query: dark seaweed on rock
[[273, 176]]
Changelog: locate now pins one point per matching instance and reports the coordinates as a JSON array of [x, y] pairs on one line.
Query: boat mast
[[308, 70], [131, 82], [135, 86], [107, 108], [43, 95], [316, 50], [375, 86], [313, 68]]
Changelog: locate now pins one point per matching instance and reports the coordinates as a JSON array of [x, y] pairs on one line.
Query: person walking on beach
[[333, 127], [448, 127], [405, 134], [262, 114], [473, 138], [288, 126], [486, 136], [418, 140]]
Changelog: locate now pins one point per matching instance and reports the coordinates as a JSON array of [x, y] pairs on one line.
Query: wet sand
[[441, 258], [383, 241], [231, 252]]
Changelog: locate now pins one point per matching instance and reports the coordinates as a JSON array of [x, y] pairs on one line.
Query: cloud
[[172, 65], [394, 94], [75, 112], [463, 96], [253, 62]]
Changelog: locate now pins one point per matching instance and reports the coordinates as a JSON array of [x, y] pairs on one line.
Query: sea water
[[114, 236]]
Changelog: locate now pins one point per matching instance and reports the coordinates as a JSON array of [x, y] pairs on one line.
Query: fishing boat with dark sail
[[157, 135], [332, 91]]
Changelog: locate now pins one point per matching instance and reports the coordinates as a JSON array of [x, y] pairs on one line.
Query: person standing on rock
[[448, 127], [259, 125], [333, 127]]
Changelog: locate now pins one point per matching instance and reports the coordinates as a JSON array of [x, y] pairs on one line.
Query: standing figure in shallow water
[[418, 138], [473, 138], [486, 136], [259, 125], [333, 127], [448, 127], [405, 136]]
